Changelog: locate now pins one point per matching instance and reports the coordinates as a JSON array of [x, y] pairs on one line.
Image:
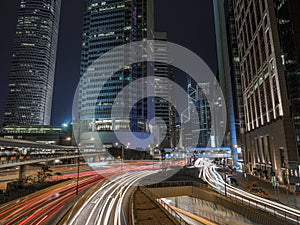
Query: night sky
[[188, 23]]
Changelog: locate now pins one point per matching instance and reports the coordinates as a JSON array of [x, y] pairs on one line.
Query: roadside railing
[[47, 157], [277, 210], [164, 205]]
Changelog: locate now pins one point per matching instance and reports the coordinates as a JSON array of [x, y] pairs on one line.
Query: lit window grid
[[33, 64], [249, 68], [116, 18]]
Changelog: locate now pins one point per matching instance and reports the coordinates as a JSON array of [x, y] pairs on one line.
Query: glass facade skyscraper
[[162, 87], [107, 25], [31, 79]]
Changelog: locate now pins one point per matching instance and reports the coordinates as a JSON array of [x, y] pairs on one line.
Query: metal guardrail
[[290, 217], [171, 211], [273, 210]]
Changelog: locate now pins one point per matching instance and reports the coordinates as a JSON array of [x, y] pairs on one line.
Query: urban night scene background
[[150, 112]]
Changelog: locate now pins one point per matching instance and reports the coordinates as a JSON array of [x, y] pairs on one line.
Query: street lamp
[[77, 170], [122, 153], [68, 139], [225, 188]]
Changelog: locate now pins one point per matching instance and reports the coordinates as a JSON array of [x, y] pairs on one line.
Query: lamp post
[[122, 156], [122, 153], [225, 188], [77, 170], [127, 146]]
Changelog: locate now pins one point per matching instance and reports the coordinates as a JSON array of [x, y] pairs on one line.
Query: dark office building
[[31, 79], [201, 132], [163, 88], [109, 24], [268, 38]]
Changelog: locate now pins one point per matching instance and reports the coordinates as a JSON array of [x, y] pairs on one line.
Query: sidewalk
[[280, 194]]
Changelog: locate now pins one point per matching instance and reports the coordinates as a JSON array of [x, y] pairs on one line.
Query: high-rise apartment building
[[31, 79], [268, 38], [107, 25]]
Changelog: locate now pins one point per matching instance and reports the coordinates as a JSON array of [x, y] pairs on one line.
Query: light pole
[[128, 144], [77, 170], [122, 156], [225, 188], [117, 146]]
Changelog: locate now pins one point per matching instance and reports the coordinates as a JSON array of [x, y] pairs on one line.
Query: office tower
[[31, 79], [229, 73], [269, 43], [163, 87], [201, 132], [197, 119], [107, 25]]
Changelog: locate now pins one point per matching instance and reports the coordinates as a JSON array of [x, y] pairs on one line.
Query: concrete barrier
[[248, 212]]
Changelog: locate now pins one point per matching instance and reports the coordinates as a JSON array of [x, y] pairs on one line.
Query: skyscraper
[[162, 87], [269, 45], [229, 72], [109, 24], [198, 127], [31, 79]]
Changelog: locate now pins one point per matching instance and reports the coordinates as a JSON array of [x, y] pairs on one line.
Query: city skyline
[[69, 53], [164, 112]]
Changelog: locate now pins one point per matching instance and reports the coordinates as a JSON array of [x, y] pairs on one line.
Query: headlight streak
[[215, 180], [106, 203]]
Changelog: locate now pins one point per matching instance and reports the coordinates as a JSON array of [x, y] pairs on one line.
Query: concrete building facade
[[268, 44]]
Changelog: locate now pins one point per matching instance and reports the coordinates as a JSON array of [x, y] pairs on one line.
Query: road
[[9, 175], [106, 205], [209, 174], [43, 206], [39, 207]]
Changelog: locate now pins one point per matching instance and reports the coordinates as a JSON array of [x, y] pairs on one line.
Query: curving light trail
[[214, 179], [42, 206], [105, 206]]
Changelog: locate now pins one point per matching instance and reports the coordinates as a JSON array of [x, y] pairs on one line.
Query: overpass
[[20, 153], [210, 152]]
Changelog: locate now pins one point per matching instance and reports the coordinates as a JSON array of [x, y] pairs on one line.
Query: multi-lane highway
[[39, 207], [108, 205], [209, 174]]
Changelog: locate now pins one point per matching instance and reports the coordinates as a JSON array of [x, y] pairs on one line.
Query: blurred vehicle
[[259, 191], [231, 180]]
